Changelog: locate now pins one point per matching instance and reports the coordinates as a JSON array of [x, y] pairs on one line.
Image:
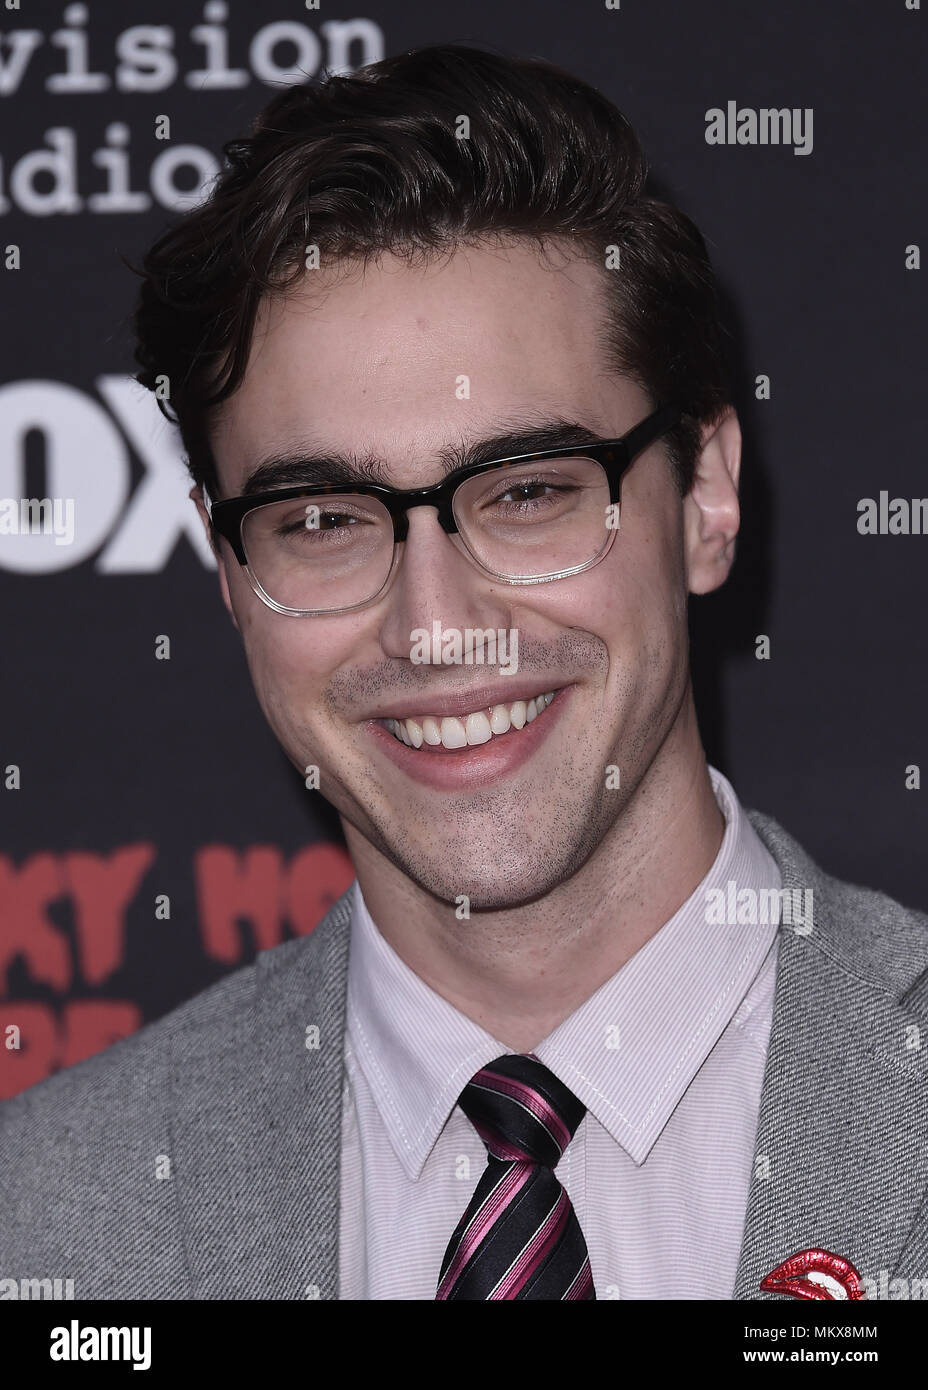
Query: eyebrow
[[302, 468]]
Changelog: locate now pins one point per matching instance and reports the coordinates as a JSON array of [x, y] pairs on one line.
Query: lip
[[479, 764], [502, 692], [793, 1276]]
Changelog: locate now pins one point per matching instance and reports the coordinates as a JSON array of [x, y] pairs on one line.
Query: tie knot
[[521, 1111]]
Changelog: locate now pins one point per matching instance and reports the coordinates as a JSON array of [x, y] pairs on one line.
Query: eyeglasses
[[327, 548]]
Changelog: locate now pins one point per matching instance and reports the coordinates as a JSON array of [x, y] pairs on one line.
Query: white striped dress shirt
[[667, 1056]]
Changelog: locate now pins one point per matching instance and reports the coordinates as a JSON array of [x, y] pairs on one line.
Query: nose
[[437, 581]]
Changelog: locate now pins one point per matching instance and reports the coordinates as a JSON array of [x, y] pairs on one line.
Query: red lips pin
[[814, 1274]]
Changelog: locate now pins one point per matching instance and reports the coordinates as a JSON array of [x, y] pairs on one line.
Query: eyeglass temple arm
[[649, 430]]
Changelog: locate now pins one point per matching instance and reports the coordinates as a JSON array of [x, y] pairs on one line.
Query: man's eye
[[524, 492], [316, 521]]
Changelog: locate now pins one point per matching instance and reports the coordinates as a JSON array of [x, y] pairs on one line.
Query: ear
[[196, 495], [711, 514]]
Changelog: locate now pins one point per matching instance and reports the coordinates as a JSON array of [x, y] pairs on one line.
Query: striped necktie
[[519, 1237]]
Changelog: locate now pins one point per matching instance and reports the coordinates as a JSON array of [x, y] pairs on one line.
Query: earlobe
[[711, 513], [196, 496], [226, 596]]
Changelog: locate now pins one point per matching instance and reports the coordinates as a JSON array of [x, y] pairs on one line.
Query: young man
[[452, 389]]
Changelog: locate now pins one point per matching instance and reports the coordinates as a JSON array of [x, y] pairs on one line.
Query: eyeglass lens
[[522, 522]]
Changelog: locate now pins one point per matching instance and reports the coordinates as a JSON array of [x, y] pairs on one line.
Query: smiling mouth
[[449, 734]]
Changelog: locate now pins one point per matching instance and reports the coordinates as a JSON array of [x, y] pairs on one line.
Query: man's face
[[374, 365]]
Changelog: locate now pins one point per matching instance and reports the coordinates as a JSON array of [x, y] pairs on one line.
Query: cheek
[[651, 562], [636, 594], [292, 660], [288, 686]]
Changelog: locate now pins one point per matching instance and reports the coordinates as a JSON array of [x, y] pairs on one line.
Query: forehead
[[400, 360]]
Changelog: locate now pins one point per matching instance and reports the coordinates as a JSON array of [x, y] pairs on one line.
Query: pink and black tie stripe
[[519, 1237]]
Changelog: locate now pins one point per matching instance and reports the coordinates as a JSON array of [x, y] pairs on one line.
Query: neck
[[518, 972]]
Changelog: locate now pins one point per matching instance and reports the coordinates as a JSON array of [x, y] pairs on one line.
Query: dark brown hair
[[372, 162]]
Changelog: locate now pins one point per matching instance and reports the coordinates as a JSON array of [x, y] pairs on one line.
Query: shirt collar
[[417, 1051]]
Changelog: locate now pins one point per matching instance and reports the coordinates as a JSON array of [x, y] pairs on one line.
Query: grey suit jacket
[[200, 1157]]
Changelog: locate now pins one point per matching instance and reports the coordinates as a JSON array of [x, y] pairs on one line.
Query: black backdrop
[[143, 779]]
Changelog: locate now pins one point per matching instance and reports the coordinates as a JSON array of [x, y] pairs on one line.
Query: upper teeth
[[478, 727]]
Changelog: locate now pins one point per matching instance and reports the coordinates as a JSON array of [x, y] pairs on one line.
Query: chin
[[493, 893]]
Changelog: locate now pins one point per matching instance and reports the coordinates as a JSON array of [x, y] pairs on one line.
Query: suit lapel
[[256, 1127], [840, 1159]]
